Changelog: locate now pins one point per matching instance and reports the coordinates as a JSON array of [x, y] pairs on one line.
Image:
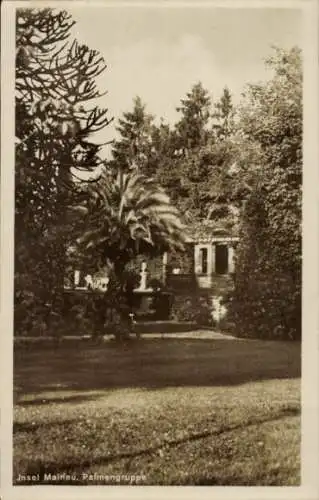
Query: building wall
[[204, 281]]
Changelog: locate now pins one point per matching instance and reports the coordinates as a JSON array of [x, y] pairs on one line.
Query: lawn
[[158, 412]]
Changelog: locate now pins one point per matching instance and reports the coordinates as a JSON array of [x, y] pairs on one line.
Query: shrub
[[194, 308], [266, 302]]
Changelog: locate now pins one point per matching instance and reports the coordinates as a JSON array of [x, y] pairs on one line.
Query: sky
[[160, 53]]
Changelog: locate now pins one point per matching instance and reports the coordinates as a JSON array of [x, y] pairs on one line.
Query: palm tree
[[124, 216]]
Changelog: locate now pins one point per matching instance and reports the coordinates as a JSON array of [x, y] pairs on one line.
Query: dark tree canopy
[[268, 278], [55, 82]]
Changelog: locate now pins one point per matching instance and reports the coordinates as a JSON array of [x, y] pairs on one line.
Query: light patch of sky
[[159, 54]]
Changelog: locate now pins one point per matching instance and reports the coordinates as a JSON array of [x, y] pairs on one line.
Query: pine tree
[[132, 149], [223, 116], [192, 128]]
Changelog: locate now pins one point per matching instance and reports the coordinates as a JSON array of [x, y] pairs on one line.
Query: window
[[221, 266], [203, 260]]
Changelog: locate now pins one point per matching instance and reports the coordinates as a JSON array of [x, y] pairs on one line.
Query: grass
[[176, 411]]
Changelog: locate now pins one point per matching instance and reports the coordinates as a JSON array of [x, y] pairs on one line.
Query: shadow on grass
[[37, 466], [152, 364], [74, 398]]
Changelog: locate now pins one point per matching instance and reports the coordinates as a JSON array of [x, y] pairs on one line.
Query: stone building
[[207, 262]]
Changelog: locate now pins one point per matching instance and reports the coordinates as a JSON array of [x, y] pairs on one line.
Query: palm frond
[[131, 212]]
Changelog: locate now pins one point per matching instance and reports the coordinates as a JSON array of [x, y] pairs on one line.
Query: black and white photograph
[[157, 267]]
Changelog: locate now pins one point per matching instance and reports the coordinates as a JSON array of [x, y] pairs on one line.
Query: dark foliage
[[54, 81], [267, 298], [194, 308]]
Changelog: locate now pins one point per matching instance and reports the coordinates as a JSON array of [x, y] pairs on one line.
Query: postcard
[[159, 249]]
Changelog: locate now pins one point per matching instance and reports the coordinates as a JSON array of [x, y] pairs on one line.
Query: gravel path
[[193, 334], [200, 334]]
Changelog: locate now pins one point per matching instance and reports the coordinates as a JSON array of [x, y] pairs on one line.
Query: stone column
[[209, 259], [165, 261], [197, 259], [213, 258], [231, 261]]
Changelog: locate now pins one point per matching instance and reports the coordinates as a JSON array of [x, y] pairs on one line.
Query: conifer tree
[[223, 116], [55, 81], [132, 149], [192, 128]]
